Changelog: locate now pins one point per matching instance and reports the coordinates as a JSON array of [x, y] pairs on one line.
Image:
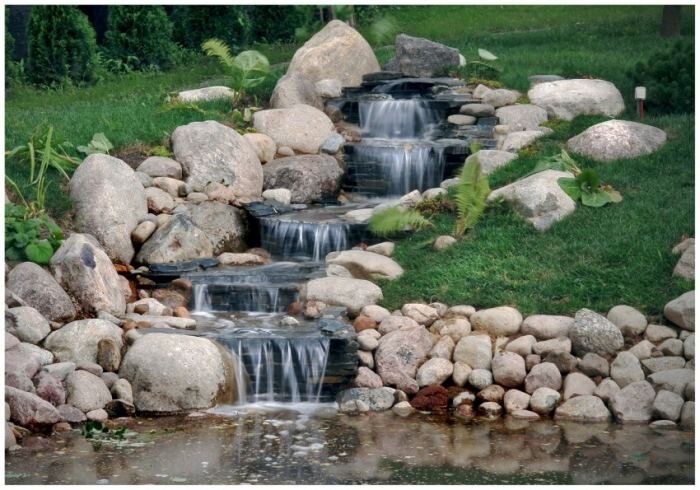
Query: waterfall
[[202, 299], [394, 170], [397, 118], [279, 369], [300, 239]]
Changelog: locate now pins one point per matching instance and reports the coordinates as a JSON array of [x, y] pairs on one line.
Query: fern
[[218, 49], [394, 220], [248, 69], [470, 196]]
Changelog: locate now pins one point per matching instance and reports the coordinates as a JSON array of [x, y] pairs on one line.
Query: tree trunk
[[671, 21]]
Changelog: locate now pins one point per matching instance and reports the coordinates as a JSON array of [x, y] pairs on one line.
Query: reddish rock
[[294, 309], [434, 397], [314, 309], [492, 393], [129, 325], [464, 412], [108, 355], [181, 284], [30, 411], [61, 427], [123, 269], [50, 389], [181, 312], [170, 297], [363, 322], [141, 309]]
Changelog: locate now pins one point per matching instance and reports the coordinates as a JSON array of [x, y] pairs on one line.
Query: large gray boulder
[[517, 140], [475, 351], [77, 341], [521, 117], [27, 324], [301, 127], [354, 294], [225, 226], [566, 99], [538, 198], [30, 411], [633, 403], [109, 202], [400, 353], [592, 332], [337, 51], [545, 327], [85, 271], [685, 267], [87, 391], [174, 373], [508, 369], [501, 321], [491, 160], [376, 399], [366, 265], [178, 240], [674, 380], [311, 178], [585, 408], [211, 152], [626, 369], [293, 89], [40, 290], [419, 57], [161, 167], [612, 140], [681, 311]]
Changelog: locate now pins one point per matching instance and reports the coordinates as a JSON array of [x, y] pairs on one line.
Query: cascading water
[[302, 239], [279, 369], [397, 118], [397, 154]]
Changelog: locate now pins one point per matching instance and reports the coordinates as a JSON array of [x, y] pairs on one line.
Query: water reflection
[[268, 445]]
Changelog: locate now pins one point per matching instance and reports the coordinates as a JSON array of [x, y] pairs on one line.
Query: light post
[[640, 95]]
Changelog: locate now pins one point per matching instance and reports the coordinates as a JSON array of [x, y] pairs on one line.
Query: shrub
[[669, 77], [141, 35], [62, 46], [30, 237], [194, 24], [278, 23]]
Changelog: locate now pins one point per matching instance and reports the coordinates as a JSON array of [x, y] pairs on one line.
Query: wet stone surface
[[317, 446]]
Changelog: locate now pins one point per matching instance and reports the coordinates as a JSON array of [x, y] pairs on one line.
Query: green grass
[[595, 258], [129, 109]]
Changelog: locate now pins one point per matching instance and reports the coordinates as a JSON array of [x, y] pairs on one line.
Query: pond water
[[315, 445]]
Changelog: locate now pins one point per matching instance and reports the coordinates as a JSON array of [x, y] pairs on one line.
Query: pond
[[313, 444]]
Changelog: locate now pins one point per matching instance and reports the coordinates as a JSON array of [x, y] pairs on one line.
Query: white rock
[[630, 321], [301, 127], [475, 351], [522, 117], [206, 93], [681, 311], [612, 140], [499, 321], [566, 99], [545, 327], [491, 160], [434, 371], [538, 198]]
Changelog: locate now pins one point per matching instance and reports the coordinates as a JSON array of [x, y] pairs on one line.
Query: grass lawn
[[595, 258]]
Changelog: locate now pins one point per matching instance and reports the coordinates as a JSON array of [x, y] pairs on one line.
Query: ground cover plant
[[595, 258]]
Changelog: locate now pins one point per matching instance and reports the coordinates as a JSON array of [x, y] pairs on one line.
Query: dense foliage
[[62, 46], [28, 237], [279, 23], [140, 35], [669, 77], [194, 24]]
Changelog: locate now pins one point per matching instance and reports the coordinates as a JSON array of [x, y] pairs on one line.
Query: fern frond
[[394, 220], [470, 195], [218, 49]]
